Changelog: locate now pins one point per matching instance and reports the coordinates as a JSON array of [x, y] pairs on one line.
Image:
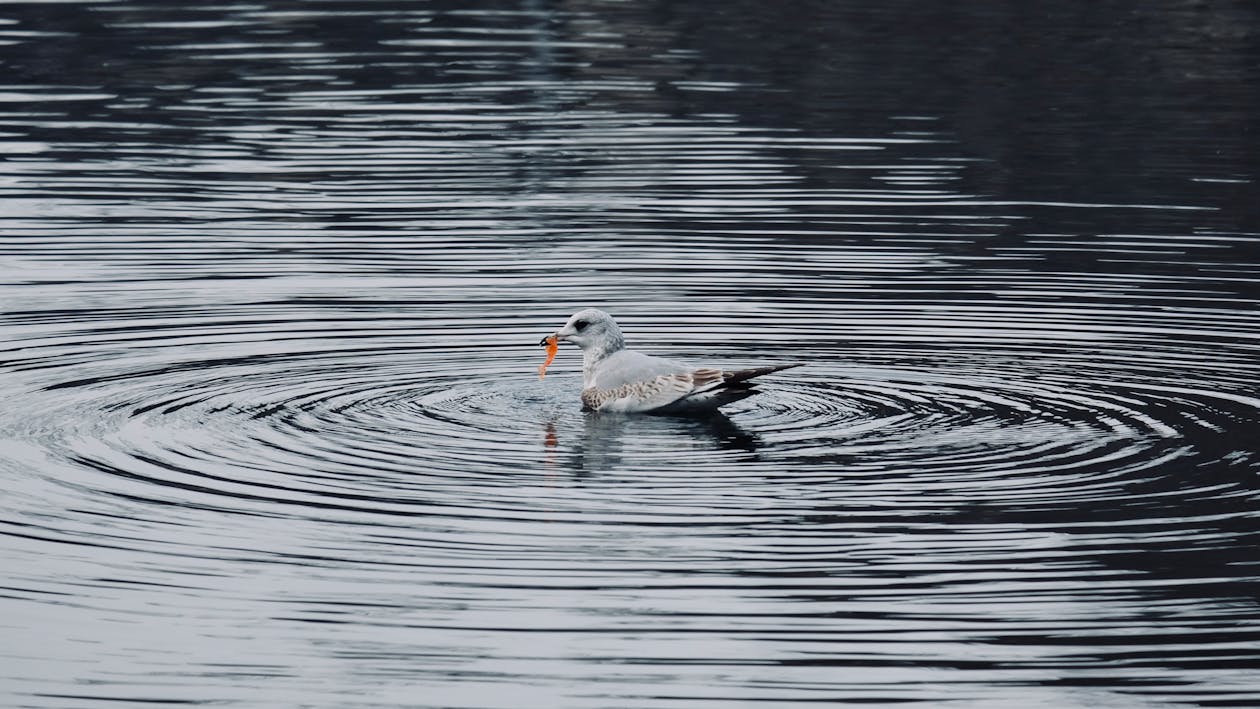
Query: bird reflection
[[608, 440]]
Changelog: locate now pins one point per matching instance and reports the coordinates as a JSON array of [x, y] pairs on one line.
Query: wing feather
[[644, 395], [632, 382], [630, 367], [655, 393]]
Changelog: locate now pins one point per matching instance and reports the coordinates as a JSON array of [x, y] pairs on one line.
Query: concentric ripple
[[993, 430], [406, 472]]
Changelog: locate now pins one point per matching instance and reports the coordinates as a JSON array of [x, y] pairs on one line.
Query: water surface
[[273, 275]]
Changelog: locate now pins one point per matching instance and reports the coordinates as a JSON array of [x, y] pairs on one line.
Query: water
[[274, 274]]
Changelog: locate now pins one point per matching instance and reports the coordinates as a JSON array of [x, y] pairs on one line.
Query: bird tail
[[743, 375]]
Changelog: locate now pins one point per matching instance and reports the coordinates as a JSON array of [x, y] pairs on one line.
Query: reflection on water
[[611, 441], [271, 280]]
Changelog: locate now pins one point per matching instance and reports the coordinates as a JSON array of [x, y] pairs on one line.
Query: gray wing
[[630, 381], [653, 394], [629, 367]]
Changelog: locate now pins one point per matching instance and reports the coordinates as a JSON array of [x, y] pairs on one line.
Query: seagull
[[617, 379]]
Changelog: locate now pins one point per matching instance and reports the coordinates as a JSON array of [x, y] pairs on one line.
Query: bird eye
[[580, 325]]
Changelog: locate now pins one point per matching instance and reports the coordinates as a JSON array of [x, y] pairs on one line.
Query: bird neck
[[593, 355]]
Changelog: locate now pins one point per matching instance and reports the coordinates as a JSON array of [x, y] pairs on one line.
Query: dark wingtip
[[746, 374]]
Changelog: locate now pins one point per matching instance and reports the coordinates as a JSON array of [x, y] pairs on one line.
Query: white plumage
[[617, 379]]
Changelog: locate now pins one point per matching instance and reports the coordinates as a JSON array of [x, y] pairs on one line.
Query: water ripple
[[273, 279]]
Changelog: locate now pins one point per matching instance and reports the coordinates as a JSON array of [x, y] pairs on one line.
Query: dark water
[[273, 274]]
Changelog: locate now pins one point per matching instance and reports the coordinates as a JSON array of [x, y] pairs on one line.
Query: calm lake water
[[273, 275]]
